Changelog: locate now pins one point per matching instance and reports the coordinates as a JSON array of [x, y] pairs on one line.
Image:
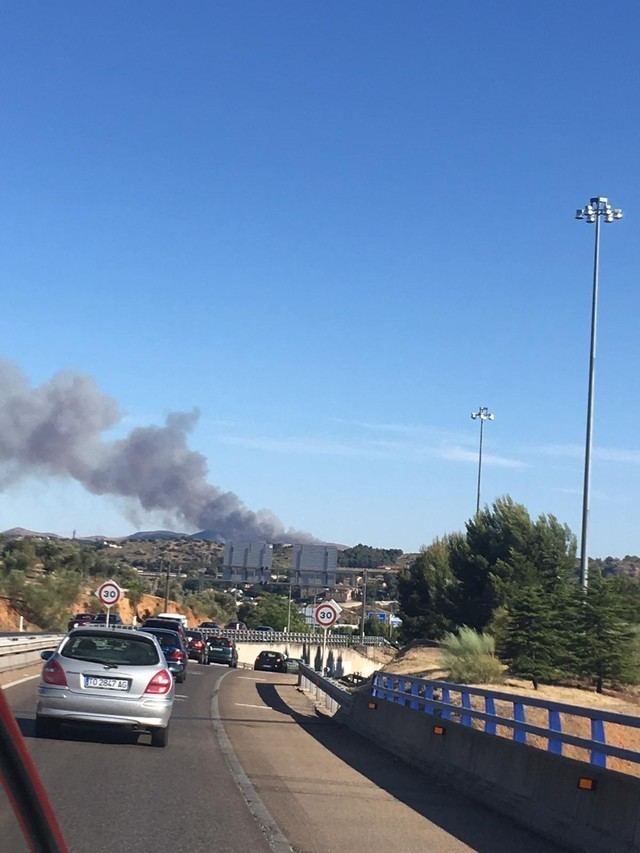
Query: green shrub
[[470, 657]]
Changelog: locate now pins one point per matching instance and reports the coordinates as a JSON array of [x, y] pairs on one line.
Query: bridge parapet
[[527, 719]]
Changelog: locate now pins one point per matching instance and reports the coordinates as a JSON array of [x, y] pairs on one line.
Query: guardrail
[[325, 690], [23, 649], [291, 637], [456, 702]]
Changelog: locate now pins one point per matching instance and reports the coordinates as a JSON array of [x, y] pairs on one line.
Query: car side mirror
[[47, 654]]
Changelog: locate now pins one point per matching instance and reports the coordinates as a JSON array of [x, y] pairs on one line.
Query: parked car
[[167, 625], [235, 626], [111, 677], [79, 619], [101, 619], [267, 629], [211, 626], [173, 649], [197, 646], [222, 650], [271, 661]]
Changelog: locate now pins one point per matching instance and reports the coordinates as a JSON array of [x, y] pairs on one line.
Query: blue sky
[[336, 229]]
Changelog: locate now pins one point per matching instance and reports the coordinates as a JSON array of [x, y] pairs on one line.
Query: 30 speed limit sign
[[109, 593], [326, 614]]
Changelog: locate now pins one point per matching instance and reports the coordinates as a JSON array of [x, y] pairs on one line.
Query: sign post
[[325, 615], [109, 593]]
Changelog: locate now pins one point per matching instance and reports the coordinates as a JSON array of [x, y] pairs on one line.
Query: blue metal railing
[[455, 702]]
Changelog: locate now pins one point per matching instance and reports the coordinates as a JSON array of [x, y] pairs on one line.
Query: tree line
[[515, 579]]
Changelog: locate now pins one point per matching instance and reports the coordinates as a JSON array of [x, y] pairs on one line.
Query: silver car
[[106, 676]]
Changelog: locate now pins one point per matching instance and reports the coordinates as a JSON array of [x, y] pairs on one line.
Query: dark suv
[[197, 646], [271, 661], [222, 650], [78, 620]]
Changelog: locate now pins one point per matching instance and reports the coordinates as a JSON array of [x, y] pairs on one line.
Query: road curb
[[272, 832]]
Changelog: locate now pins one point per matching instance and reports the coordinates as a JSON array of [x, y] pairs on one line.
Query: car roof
[[102, 631], [152, 630]]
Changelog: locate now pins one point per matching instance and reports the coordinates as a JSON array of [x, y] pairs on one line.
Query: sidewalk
[[332, 791]]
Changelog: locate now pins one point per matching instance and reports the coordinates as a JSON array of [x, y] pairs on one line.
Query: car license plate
[[106, 683]]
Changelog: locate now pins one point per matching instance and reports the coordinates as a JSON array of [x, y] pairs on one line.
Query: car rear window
[[166, 638], [270, 655], [112, 649], [220, 641]]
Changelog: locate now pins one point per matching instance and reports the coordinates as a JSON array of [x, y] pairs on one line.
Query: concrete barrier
[[341, 660], [23, 650], [537, 789]]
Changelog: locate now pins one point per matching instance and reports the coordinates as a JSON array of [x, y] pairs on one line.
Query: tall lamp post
[[364, 604], [597, 209], [483, 414]]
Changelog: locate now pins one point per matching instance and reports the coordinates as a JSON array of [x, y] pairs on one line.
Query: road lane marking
[[272, 832], [260, 707], [253, 678]]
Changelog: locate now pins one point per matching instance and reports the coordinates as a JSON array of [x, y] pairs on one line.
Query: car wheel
[[204, 660], [160, 737], [46, 727]]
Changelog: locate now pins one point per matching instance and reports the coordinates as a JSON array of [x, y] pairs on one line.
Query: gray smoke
[[57, 429]]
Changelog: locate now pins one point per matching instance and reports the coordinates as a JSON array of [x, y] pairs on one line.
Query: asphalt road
[[327, 789], [114, 794]]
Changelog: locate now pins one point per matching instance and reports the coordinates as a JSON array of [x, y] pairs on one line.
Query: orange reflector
[[586, 784], [372, 706], [439, 730]]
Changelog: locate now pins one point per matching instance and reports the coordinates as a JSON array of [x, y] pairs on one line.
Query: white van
[[177, 617]]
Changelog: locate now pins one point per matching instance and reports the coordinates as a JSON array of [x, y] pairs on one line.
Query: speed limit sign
[[109, 593], [326, 614]]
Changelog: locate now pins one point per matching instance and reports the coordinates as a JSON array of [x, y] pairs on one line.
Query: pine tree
[[422, 592], [533, 643], [606, 642]]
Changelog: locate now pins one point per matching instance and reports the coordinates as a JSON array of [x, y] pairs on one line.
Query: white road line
[[253, 678], [259, 707], [20, 681]]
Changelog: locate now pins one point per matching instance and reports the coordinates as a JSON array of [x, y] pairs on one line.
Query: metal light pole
[[597, 209], [483, 414], [364, 604], [289, 606]]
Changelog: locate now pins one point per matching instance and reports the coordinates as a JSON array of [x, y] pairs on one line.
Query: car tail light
[[197, 644], [160, 683], [176, 654], [53, 673]]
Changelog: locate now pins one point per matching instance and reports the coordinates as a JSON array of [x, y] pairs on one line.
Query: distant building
[[247, 562], [313, 568]]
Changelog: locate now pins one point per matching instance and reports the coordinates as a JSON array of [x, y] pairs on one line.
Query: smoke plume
[[56, 430]]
